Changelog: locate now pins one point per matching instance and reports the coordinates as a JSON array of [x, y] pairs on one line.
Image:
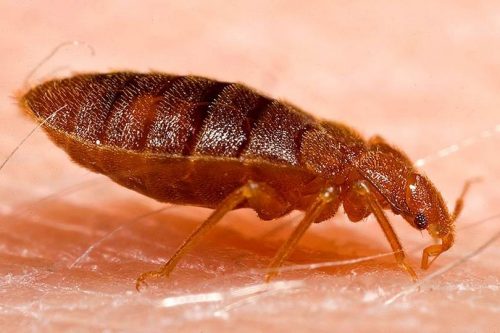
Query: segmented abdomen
[[167, 114]]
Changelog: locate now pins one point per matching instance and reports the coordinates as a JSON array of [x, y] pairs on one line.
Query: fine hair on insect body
[[190, 140]]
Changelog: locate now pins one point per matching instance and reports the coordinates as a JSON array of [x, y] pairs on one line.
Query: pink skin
[[423, 76]]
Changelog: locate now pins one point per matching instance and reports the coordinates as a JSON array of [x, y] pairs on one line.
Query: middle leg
[[313, 212]]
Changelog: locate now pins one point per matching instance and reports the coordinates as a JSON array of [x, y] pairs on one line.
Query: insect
[[190, 140]]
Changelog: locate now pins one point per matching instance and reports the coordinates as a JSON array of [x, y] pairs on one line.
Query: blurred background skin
[[423, 75]]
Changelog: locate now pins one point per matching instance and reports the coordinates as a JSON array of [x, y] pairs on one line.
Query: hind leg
[[259, 196]]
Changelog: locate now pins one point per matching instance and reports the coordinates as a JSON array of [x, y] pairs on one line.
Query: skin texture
[[421, 75]]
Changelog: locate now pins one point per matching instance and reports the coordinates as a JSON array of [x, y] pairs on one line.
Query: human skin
[[422, 75]]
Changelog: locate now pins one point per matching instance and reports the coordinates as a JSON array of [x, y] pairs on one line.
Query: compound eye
[[421, 221]]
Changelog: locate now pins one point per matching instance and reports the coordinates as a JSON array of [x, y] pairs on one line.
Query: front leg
[[362, 188]]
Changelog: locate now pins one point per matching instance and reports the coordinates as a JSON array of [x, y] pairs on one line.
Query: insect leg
[[250, 192], [363, 189], [312, 213]]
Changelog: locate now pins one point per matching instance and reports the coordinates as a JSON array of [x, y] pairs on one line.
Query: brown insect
[[189, 140]]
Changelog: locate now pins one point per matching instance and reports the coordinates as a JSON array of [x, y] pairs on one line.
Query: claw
[[405, 266], [270, 275], [141, 280]]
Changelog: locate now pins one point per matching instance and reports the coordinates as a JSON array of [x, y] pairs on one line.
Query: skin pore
[[422, 76]]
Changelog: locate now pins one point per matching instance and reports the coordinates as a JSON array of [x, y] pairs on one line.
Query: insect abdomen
[[175, 115]]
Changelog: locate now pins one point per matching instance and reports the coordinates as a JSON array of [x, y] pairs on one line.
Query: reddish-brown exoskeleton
[[195, 141]]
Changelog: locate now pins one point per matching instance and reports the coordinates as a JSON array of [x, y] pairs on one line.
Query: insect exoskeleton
[[195, 141]]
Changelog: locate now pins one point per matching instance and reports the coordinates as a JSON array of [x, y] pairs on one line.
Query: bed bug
[[191, 140]]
